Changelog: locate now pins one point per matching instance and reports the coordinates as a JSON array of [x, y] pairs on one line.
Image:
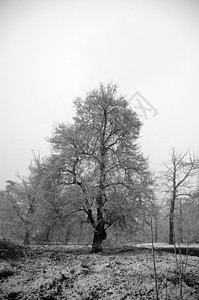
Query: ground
[[57, 273]]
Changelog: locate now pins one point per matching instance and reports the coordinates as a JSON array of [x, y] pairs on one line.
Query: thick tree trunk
[[99, 237], [99, 231]]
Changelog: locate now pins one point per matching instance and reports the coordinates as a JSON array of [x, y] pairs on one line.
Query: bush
[[5, 273], [10, 250]]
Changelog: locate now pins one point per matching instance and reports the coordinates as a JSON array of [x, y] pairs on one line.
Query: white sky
[[53, 51]]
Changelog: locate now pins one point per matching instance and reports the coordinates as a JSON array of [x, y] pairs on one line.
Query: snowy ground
[[166, 245], [56, 274]]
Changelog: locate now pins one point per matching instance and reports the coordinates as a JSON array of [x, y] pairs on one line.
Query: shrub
[[10, 250]]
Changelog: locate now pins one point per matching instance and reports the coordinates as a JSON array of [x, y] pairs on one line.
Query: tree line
[[96, 180]]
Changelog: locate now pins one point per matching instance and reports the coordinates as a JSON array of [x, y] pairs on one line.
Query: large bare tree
[[24, 198], [97, 161], [179, 180]]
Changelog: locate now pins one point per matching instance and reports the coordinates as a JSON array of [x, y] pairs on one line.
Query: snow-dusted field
[[122, 275]]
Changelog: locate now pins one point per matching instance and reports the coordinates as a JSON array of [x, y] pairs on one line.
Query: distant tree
[[54, 215], [190, 216], [3, 213], [97, 166], [6, 216], [24, 199], [178, 179]]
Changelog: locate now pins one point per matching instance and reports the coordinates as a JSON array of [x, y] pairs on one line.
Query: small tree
[[178, 180], [97, 164], [8, 219], [23, 196]]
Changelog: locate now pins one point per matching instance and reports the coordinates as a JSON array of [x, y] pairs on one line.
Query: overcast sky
[[53, 51]]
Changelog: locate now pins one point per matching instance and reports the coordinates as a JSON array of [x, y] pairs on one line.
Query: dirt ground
[[53, 274]]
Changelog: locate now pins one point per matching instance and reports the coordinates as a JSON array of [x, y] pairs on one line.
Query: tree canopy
[[97, 164]]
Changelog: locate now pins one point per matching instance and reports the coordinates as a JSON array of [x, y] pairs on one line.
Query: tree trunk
[[156, 229], [99, 237], [27, 236], [171, 223], [180, 224]]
